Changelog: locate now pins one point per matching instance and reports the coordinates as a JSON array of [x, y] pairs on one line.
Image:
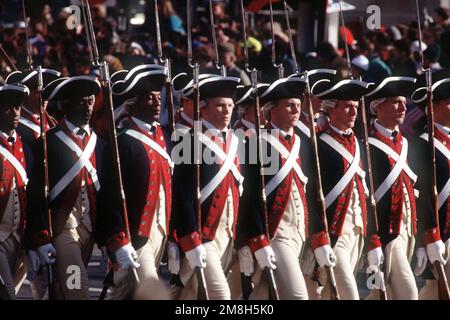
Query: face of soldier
[[286, 113], [9, 118], [148, 107], [442, 112], [343, 116], [218, 112], [188, 107], [391, 112], [79, 111]]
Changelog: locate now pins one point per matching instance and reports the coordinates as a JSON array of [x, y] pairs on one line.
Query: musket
[[43, 136], [107, 94], [443, 288], [279, 66], [167, 64], [334, 294], [50, 274], [5, 57], [223, 70], [371, 203], [246, 280], [202, 289]]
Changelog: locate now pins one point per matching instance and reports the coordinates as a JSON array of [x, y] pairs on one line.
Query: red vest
[[74, 188], [397, 195], [160, 172], [343, 201], [284, 190], [8, 173]]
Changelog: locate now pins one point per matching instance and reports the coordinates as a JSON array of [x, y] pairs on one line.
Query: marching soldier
[[433, 244], [320, 120], [29, 126], [246, 109], [343, 187], [183, 88], [394, 184], [15, 167], [147, 178], [220, 186], [79, 166], [285, 187]]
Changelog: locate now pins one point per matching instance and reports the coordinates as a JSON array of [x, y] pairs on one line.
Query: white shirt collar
[[445, 130], [385, 131], [346, 132], [144, 125], [282, 132], [213, 129], [4, 135], [74, 129]]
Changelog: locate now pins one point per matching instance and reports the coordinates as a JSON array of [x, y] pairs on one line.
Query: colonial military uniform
[[147, 179], [345, 191], [16, 162], [30, 125], [287, 206], [394, 193], [220, 184], [79, 164], [320, 121], [428, 232]]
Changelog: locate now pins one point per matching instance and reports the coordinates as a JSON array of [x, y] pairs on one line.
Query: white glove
[[266, 258], [421, 257], [33, 264], [325, 256], [126, 256], [436, 251], [197, 257], [173, 257], [375, 257], [47, 253], [246, 261]]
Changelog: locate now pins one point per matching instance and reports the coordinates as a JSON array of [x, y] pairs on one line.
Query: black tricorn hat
[[118, 75], [12, 95], [347, 89], [244, 95], [440, 88], [30, 77], [70, 88], [141, 79], [391, 87], [285, 88], [319, 74], [184, 84], [218, 87]]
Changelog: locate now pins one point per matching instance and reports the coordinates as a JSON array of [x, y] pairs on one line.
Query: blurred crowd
[[392, 50]]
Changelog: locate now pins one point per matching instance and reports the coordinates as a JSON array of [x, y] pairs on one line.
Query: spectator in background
[[401, 61], [171, 18], [360, 66], [431, 57], [227, 57], [378, 69], [329, 58]]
